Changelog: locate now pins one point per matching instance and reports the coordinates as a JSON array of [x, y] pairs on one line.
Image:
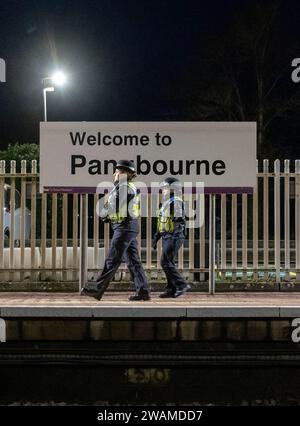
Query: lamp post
[[45, 90], [49, 83]]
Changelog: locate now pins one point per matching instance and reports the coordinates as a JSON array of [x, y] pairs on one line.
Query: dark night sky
[[120, 55]]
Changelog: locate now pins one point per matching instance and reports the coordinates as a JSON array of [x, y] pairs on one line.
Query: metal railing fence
[[258, 236]]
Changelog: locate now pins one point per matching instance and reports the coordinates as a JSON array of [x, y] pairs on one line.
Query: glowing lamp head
[[59, 78]]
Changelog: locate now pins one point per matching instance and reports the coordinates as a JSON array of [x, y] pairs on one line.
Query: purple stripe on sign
[[188, 190], [71, 189], [228, 190]]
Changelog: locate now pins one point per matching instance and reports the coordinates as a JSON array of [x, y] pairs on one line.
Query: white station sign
[[78, 156]]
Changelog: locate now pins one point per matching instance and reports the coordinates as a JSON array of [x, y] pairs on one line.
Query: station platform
[[116, 305]]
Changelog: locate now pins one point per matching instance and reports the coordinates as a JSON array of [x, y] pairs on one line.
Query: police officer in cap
[[122, 211], [171, 228]]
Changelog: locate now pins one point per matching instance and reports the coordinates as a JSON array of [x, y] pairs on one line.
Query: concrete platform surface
[[116, 305]]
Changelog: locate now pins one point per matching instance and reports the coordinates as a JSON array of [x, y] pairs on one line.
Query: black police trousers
[[170, 246], [123, 246]]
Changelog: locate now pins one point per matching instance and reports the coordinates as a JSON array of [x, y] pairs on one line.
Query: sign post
[[212, 243], [83, 259]]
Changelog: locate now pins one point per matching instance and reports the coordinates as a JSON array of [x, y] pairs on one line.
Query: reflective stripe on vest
[[165, 220], [123, 212]]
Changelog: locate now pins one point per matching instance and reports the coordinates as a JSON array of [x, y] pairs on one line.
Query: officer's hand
[[156, 238]]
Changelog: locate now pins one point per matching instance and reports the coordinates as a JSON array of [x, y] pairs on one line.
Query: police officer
[[122, 211], [171, 228]]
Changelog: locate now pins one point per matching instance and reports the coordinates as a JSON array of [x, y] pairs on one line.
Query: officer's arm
[[110, 207], [157, 235], [124, 195], [104, 213], [179, 217], [179, 213], [107, 208]]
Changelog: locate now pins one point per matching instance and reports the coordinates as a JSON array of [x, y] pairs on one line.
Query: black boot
[[96, 294], [168, 293], [181, 291], [140, 295]]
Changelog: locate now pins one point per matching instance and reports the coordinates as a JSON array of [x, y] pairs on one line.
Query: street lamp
[[49, 83], [59, 78]]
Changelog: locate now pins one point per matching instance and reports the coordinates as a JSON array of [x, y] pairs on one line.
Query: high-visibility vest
[[123, 212], [165, 219]]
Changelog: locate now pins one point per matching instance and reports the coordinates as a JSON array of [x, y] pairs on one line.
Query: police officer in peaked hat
[[122, 211], [171, 228], [126, 164]]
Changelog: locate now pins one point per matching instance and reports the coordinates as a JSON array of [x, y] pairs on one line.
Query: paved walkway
[[116, 305]]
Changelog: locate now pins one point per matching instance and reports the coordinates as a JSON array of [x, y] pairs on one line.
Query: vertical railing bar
[[54, 234], [23, 216], [266, 216], [287, 259], [212, 244], [106, 239], [2, 180], [84, 238], [75, 236], [297, 217], [43, 233], [180, 257], [191, 253], [155, 208], [65, 236], [223, 234], [12, 217], [96, 232], [202, 241], [277, 219], [149, 232], [255, 226], [139, 237], [234, 234], [245, 235], [33, 217]]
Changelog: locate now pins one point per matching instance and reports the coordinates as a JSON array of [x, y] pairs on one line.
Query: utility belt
[[178, 230], [115, 219]]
